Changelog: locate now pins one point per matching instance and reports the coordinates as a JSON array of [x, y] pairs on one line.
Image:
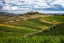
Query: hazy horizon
[[46, 12]]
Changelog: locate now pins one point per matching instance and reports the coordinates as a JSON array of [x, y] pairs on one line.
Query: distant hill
[[7, 14]]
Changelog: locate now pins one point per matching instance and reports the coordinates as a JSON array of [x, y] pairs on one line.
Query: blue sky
[[35, 5]]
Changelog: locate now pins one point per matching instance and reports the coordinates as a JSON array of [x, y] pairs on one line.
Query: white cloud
[[41, 4], [19, 2], [6, 7], [11, 1], [24, 8], [36, 4], [58, 2], [14, 8], [50, 1], [10, 7]]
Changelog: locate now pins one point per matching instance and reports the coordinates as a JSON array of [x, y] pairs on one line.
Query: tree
[[62, 14]]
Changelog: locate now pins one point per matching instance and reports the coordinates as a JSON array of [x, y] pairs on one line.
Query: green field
[[53, 19], [8, 30], [14, 32], [53, 36], [32, 23]]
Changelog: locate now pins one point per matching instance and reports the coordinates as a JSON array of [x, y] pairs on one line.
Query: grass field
[[53, 18], [13, 32], [54, 36], [32, 23], [8, 30]]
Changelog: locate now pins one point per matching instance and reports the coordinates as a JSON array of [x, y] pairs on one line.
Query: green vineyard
[[48, 29]]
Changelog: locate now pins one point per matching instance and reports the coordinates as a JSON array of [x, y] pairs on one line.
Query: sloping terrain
[[53, 36], [8, 30], [38, 29]]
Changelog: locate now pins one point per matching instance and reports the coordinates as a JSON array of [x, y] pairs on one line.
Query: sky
[[35, 5]]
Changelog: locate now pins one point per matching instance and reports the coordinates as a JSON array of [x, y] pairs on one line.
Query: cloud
[[31, 4], [6, 8], [58, 2], [41, 3], [14, 8]]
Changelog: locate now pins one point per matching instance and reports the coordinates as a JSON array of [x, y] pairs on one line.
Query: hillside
[[8, 30], [53, 36], [31, 28]]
